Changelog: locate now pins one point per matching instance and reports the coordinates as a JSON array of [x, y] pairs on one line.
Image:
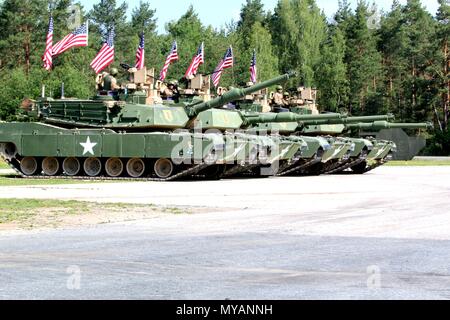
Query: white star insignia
[[88, 146]]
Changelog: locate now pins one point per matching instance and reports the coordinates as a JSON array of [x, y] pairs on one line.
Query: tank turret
[[133, 114]]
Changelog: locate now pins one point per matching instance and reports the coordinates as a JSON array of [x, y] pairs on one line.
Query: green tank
[[346, 151], [365, 150], [123, 137], [324, 152], [289, 150], [383, 149]]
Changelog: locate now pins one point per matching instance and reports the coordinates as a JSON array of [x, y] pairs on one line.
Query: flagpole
[[233, 75], [87, 32]]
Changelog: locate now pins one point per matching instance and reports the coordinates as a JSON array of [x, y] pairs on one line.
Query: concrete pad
[[384, 235]]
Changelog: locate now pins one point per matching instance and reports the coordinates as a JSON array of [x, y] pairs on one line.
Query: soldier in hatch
[[279, 103], [110, 81], [171, 92]]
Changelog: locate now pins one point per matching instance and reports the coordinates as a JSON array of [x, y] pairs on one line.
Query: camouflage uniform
[[110, 82], [279, 103], [171, 91]]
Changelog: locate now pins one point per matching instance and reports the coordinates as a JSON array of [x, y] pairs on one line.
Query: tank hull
[[38, 149]]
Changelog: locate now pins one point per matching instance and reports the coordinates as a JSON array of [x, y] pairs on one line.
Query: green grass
[[20, 210], [29, 212], [3, 165], [18, 181], [417, 163]]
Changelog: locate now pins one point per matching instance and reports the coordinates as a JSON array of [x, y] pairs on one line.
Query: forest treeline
[[362, 62]]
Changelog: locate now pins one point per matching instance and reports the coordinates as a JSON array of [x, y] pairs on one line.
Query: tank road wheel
[[29, 166], [163, 168], [50, 166], [71, 166], [136, 168], [8, 150], [92, 167], [114, 167]]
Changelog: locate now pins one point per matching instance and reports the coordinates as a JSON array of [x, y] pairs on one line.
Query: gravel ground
[[384, 235]]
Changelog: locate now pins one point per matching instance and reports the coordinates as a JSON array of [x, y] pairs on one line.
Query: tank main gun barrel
[[287, 117], [380, 125], [235, 94], [346, 120], [387, 117]]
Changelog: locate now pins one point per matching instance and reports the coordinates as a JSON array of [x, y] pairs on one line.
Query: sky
[[219, 12]]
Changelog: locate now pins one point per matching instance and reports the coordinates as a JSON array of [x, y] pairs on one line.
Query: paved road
[[382, 235]]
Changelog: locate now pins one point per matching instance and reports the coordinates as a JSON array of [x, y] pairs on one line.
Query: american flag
[[78, 38], [227, 62], [253, 69], [196, 62], [106, 54], [140, 54], [47, 57], [172, 57]]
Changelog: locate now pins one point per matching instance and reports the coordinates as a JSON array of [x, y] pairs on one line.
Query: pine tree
[[252, 34], [442, 35], [189, 33], [419, 28], [21, 47], [107, 15], [24, 25], [252, 12], [364, 62], [143, 20], [332, 73], [267, 63], [391, 43], [298, 30]]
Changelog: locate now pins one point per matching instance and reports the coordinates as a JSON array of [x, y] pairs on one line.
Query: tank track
[[377, 164], [347, 166], [300, 168], [288, 165], [335, 167], [190, 172], [237, 170]]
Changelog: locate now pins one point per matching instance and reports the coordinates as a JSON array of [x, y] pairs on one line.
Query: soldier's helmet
[[172, 83], [279, 88], [286, 94], [114, 72]]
